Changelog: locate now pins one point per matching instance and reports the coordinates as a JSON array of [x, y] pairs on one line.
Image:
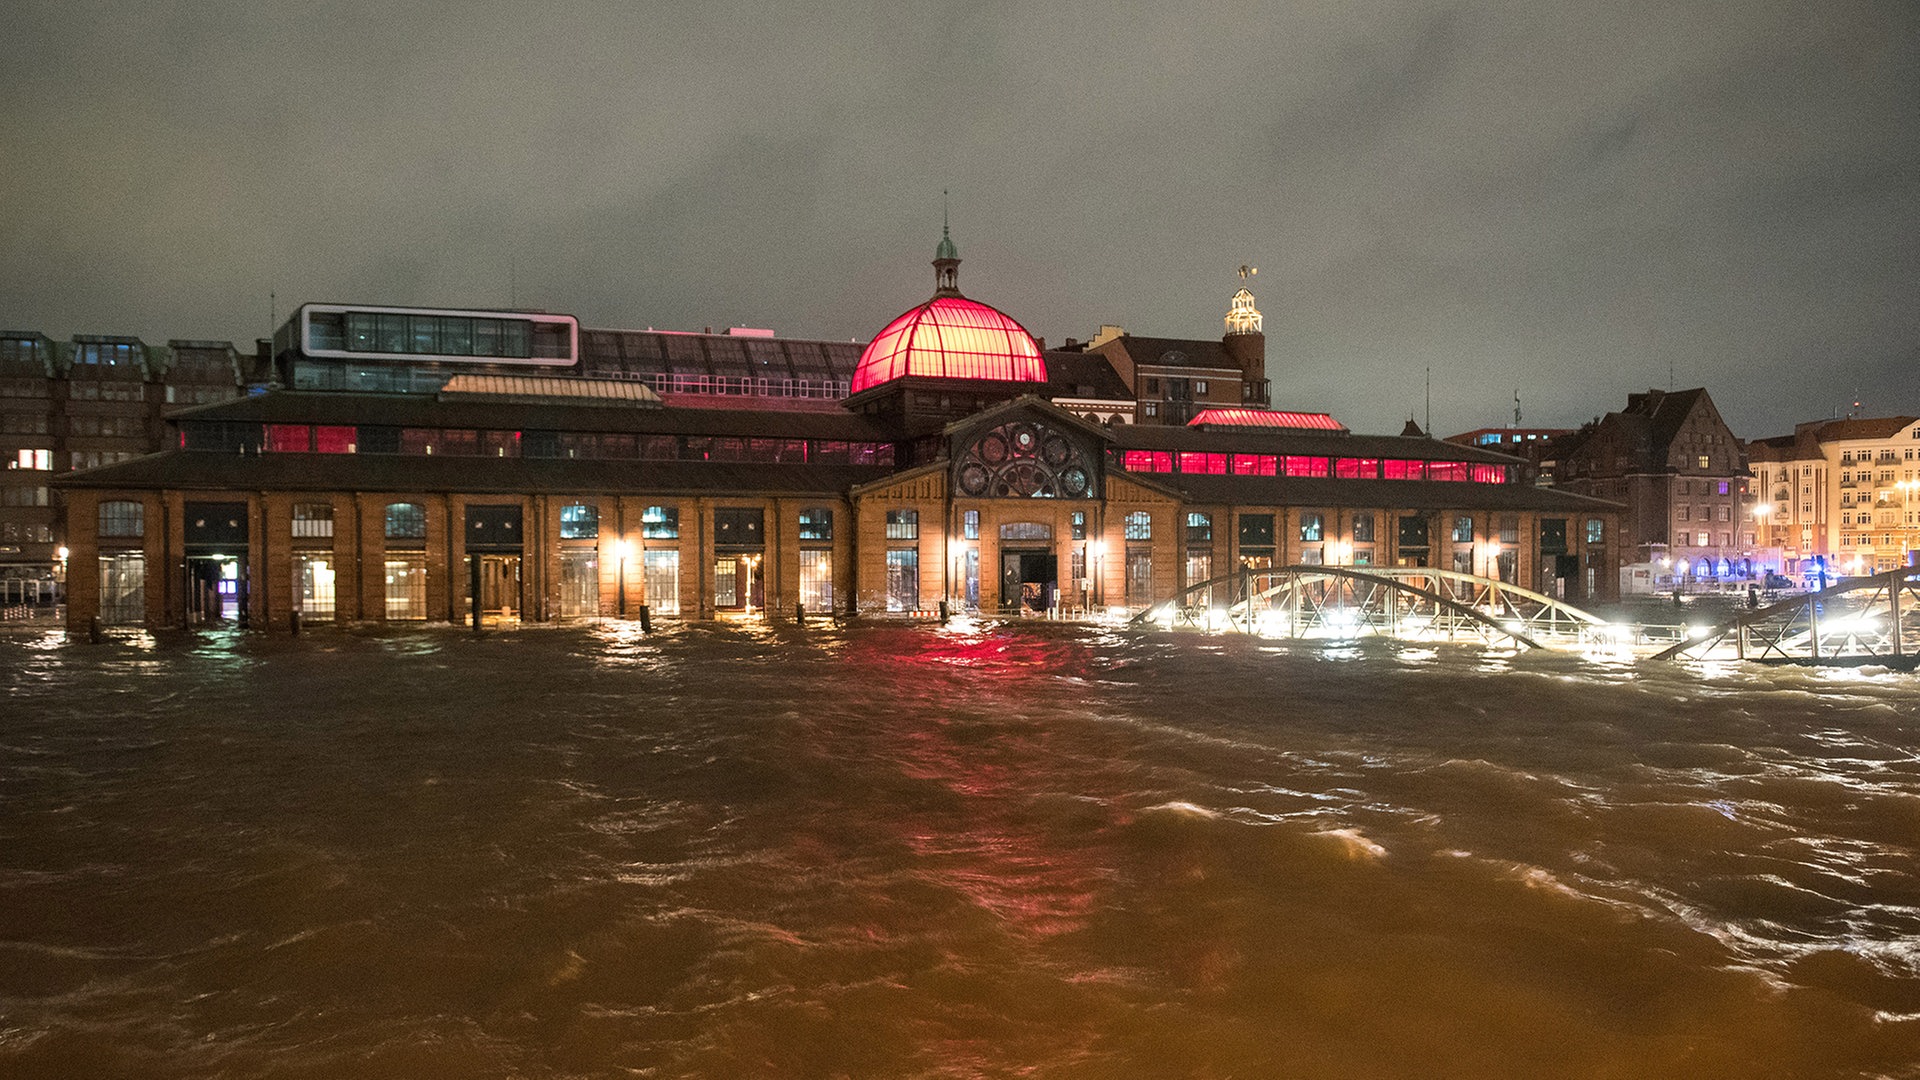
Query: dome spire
[[946, 257]]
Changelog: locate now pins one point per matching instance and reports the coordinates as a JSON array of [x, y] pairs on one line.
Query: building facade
[[1682, 475], [82, 404], [1841, 497], [946, 478]]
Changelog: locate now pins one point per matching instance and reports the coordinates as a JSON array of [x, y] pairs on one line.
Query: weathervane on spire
[[1242, 316]]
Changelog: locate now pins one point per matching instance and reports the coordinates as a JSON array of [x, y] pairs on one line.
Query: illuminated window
[[1463, 530], [333, 439], [1079, 525], [1199, 529], [1363, 528], [1596, 531], [289, 438], [816, 523], [903, 524], [312, 521], [1312, 527], [1139, 526], [970, 525], [660, 523], [660, 575], [816, 579], [406, 521], [579, 521], [903, 579], [35, 459]]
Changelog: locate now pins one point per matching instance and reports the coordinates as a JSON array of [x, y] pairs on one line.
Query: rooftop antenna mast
[[1429, 401], [1516, 408]]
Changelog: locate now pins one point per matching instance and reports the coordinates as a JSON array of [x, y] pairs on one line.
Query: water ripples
[[719, 850]]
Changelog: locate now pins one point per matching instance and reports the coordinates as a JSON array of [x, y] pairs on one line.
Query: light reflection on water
[[724, 850]]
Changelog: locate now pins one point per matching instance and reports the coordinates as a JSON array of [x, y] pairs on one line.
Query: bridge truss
[[1860, 619], [1407, 602]]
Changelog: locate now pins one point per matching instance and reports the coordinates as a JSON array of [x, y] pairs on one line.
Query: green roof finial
[[946, 250]]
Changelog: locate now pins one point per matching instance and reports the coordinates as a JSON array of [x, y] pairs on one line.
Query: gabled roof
[[1174, 352], [1884, 427], [1084, 375], [1028, 403]]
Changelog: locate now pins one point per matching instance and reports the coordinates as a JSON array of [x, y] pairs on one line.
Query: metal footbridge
[[1854, 622], [1860, 620]]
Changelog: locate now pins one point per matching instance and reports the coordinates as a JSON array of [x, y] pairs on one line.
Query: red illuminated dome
[[950, 337]]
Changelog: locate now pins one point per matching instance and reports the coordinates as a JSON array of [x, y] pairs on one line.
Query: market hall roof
[[411, 410], [189, 470], [1407, 494], [1294, 441], [1265, 418]]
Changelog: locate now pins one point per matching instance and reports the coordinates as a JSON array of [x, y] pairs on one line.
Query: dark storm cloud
[[1568, 200]]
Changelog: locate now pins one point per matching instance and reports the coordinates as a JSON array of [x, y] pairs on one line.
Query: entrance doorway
[[500, 598], [1029, 580], [216, 590]]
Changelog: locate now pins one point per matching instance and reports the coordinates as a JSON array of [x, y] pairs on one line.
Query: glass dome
[[951, 337]]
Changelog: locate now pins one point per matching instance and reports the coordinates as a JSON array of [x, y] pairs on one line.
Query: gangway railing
[[1402, 602], [1861, 618]]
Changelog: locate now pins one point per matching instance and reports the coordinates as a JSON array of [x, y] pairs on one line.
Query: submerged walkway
[[1861, 620]]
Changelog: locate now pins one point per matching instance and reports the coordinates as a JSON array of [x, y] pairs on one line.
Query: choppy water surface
[[898, 852]]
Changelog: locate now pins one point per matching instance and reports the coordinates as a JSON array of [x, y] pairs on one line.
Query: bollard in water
[[646, 620]]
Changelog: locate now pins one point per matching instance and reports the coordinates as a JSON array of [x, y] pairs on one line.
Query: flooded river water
[[1044, 851]]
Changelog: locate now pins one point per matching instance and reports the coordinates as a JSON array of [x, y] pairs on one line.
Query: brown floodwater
[[985, 851]]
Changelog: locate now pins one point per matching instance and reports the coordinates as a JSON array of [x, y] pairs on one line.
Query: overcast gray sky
[[1571, 200]]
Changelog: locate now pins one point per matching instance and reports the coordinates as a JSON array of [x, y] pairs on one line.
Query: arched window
[[122, 519], [660, 523], [579, 521], [816, 523], [406, 521]]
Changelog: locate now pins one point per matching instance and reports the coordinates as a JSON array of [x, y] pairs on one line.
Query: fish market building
[[449, 465]]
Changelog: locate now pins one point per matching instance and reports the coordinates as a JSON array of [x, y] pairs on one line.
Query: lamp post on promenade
[[620, 550]]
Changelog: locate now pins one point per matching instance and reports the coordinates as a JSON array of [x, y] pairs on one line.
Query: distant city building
[[1841, 497], [1682, 474], [82, 404], [1531, 444]]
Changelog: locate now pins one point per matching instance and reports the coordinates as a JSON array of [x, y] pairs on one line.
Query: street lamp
[[621, 548], [752, 563], [1098, 549]]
